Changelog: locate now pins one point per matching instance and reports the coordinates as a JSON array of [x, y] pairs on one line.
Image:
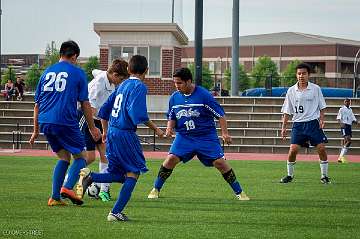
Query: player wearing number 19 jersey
[[59, 89], [306, 103], [191, 113]]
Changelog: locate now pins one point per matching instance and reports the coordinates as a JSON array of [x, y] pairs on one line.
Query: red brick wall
[[104, 56], [157, 86], [167, 63], [177, 58]]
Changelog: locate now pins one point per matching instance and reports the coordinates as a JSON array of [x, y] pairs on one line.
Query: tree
[[52, 55], [264, 68], [244, 81], [207, 80], [9, 74], [32, 76], [90, 65], [288, 76]]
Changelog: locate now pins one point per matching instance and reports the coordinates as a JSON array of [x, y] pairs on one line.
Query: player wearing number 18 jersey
[[306, 103], [192, 110], [59, 89]]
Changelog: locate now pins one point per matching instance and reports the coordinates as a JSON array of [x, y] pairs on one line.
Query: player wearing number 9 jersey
[[191, 113], [59, 89], [306, 103]]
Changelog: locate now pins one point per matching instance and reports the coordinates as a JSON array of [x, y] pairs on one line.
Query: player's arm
[[154, 127], [35, 133], [86, 108], [285, 120], [224, 130], [322, 119], [170, 128], [105, 125]]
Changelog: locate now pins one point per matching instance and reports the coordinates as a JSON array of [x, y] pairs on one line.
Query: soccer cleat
[[242, 197], [342, 159], [105, 196], [113, 217], [325, 180], [286, 179], [52, 202], [154, 194], [70, 194], [84, 182]]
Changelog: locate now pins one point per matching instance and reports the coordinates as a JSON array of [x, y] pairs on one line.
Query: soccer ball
[[93, 191]]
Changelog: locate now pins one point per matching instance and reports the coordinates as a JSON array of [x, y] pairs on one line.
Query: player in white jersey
[[306, 103], [346, 118]]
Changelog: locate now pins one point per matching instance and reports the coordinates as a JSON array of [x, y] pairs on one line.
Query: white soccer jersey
[[304, 105], [346, 115], [99, 90]]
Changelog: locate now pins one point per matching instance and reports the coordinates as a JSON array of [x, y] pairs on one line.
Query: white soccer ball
[[93, 191]]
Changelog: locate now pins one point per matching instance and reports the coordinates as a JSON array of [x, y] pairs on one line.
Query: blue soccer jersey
[[126, 107], [57, 93], [194, 114]]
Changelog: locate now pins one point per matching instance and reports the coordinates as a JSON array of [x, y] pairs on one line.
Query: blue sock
[[58, 178], [124, 195], [74, 171], [159, 182], [107, 177], [236, 187]]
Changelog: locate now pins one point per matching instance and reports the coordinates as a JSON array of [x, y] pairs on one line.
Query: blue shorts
[[206, 147], [302, 132], [346, 131], [124, 152], [63, 137], [89, 141]]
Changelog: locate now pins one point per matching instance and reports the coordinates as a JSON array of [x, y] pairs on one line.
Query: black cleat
[[286, 179], [325, 180]]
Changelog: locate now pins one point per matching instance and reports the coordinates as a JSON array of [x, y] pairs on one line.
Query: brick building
[[331, 58], [161, 43]]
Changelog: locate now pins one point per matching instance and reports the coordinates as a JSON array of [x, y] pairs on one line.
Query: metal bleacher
[[254, 123]]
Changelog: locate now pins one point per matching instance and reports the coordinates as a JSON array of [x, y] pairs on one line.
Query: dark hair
[[119, 66], [304, 65], [138, 64], [69, 48], [183, 73]]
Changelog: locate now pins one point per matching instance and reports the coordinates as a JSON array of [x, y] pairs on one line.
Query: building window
[[154, 61], [152, 54]]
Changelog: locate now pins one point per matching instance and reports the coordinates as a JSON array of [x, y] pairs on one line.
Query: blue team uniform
[[195, 126], [125, 109], [59, 89]]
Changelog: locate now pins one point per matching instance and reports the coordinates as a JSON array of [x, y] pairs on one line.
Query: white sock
[[343, 151], [324, 168], [290, 168], [104, 187], [65, 179]]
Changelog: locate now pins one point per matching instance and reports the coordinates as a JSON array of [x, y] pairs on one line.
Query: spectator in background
[[20, 86], [9, 89]]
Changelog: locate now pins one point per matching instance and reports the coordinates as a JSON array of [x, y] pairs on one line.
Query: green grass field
[[196, 203]]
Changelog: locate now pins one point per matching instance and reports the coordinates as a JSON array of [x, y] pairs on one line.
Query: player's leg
[[164, 173], [230, 177], [116, 213], [346, 132], [103, 168]]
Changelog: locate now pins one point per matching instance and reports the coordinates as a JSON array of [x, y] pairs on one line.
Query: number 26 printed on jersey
[[59, 79]]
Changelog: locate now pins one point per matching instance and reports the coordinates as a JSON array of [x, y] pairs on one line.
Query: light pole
[[356, 63]]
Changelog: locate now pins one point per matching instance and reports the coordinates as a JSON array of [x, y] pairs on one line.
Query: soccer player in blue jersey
[[59, 89], [192, 110], [120, 114]]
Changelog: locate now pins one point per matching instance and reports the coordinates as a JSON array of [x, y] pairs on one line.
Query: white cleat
[[154, 194], [242, 197]]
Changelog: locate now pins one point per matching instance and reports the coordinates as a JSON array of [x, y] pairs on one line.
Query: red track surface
[[229, 156]]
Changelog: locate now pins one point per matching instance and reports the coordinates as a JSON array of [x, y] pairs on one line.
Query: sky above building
[[28, 26]]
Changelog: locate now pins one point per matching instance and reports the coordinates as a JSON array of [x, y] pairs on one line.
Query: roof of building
[[143, 27], [280, 38]]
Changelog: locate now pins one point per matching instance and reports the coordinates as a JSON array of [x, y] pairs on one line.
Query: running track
[[162, 155]]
